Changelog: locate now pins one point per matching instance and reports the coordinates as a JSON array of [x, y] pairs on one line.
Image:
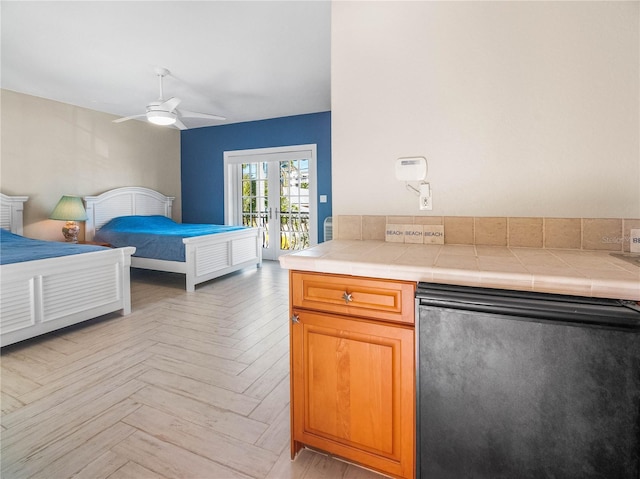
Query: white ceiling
[[244, 60]]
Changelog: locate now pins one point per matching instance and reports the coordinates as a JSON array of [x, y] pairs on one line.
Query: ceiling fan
[[165, 112]]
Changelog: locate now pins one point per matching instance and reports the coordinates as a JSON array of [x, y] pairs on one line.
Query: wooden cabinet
[[352, 370]]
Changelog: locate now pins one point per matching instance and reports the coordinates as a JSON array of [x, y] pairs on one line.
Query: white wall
[[522, 108], [50, 149]]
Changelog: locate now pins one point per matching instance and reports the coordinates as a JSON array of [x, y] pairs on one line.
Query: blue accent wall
[[202, 159]]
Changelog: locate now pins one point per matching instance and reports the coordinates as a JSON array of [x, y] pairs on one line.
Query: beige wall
[[521, 108], [51, 148]]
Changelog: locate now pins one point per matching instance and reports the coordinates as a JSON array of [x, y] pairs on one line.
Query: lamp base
[[70, 232]]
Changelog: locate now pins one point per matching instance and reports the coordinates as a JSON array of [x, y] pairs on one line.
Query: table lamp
[[70, 209]]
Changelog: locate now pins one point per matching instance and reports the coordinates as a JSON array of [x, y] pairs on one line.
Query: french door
[[274, 188]]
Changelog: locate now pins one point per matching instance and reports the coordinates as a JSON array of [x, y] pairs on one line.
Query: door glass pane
[[294, 204], [255, 191]]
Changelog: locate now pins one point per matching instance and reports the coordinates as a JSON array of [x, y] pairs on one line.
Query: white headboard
[[11, 212], [126, 201]]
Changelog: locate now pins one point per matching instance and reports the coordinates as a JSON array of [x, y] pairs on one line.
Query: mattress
[[155, 237], [18, 249]]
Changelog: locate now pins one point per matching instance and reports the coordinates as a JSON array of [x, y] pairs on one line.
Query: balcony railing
[[294, 229]]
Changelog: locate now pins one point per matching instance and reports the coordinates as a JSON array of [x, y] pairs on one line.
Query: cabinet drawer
[[386, 300]]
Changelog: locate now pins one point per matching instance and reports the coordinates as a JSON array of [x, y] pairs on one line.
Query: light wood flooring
[[190, 385]]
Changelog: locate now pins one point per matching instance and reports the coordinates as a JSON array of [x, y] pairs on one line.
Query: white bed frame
[[206, 257], [44, 295]]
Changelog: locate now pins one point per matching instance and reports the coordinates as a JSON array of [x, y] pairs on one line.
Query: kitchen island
[[336, 320]]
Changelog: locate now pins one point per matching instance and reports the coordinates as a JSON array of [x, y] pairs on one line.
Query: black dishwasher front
[[526, 385]]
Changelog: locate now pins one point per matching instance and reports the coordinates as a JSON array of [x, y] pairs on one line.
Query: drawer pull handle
[[295, 319], [347, 297]]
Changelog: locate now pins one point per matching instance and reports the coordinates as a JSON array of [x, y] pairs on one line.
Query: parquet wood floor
[[190, 385]]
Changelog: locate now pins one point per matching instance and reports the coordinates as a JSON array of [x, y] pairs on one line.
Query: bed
[[41, 295], [204, 257]]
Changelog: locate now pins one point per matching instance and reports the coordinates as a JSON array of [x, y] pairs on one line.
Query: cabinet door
[[354, 390]]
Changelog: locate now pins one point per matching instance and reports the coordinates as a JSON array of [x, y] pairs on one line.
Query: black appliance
[[526, 385]]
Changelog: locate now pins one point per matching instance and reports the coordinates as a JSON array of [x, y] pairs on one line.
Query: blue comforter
[[156, 237], [17, 249]]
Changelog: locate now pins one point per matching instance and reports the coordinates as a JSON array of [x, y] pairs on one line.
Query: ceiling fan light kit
[[165, 112], [163, 118]]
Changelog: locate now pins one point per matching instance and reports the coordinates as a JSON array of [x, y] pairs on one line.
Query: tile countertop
[[572, 272]]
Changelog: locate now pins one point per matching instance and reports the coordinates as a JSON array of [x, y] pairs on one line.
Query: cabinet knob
[[347, 297], [295, 318]]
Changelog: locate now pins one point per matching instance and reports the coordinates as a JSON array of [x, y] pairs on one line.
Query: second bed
[[141, 217]]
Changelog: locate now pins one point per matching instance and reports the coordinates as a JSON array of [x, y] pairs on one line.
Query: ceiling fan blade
[[181, 126], [195, 114], [169, 105], [120, 120]]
